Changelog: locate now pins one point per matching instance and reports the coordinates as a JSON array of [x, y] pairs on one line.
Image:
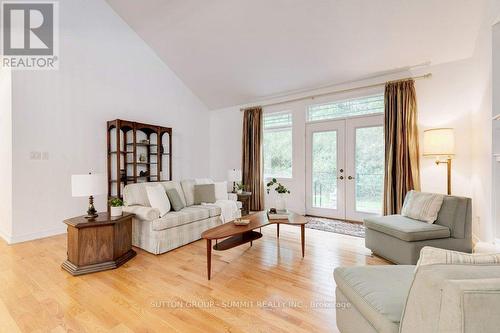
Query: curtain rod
[[424, 76]]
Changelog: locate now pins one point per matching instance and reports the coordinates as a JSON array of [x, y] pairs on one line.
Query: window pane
[[324, 169], [369, 169], [279, 119], [347, 108], [278, 153]]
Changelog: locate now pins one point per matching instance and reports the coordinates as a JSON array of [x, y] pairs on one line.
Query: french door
[[345, 168]]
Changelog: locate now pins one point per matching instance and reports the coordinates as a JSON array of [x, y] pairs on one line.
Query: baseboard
[[5, 237], [37, 235]]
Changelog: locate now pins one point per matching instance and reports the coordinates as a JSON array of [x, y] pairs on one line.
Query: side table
[[98, 245], [244, 197]]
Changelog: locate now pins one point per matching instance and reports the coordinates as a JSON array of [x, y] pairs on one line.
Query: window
[[277, 147], [347, 108]]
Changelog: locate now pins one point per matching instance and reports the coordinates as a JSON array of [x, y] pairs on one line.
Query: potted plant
[[116, 205], [281, 190], [240, 188]]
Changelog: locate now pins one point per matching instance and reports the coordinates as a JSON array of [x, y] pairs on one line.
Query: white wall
[[5, 153], [106, 71], [453, 97]]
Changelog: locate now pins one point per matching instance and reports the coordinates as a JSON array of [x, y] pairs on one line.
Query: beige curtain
[[402, 171], [252, 156]]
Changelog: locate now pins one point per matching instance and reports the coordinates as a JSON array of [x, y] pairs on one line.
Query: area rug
[[336, 226]]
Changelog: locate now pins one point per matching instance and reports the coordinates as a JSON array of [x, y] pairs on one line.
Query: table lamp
[[440, 143], [88, 185], [234, 175]]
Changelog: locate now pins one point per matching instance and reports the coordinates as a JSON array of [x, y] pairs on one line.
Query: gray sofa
[[400, 239], [436, 298]]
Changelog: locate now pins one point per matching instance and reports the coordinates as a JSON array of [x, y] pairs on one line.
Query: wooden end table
[[244, 197], [98, 245], [238, 235]]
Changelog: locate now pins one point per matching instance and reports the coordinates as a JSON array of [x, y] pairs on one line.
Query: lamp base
[[91, 211]]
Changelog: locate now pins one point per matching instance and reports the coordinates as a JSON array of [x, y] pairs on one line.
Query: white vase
[[280, 202], [116, 211]]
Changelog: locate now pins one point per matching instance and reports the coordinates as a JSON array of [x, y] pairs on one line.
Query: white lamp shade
[[439, 142], [234, 175], [87, 185]]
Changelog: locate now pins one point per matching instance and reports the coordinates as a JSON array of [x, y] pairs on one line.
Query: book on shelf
[[278, 215]]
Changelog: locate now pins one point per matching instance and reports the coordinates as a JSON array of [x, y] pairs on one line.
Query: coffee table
[[235, 235]]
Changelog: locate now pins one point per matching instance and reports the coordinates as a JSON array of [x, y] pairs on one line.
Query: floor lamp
[[440, 143]]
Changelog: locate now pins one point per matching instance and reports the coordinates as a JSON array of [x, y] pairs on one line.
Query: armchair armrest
[[470, 306], [143, 213]]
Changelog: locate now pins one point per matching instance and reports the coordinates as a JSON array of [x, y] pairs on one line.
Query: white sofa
[[157, 234]]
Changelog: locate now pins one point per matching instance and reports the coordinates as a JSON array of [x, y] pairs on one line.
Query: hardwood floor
[[264, 288]]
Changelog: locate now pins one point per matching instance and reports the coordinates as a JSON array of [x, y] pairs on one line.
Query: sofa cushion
[[158, 198], [135, 194], [188, 189], [431, 256], [405, 228], [422, 206], [378, 292], [204, 193], [175, 199], [184, 216], [213, 210], [177, 186]]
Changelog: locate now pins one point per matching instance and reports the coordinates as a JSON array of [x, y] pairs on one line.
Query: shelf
[[114, 152], [142, 144], [132, 178], [142, 163]]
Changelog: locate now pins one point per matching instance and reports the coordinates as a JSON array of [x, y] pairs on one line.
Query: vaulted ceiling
[[231, 52]]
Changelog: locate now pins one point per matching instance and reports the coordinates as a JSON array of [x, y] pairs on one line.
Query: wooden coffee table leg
[[302, 237], [209, 257]]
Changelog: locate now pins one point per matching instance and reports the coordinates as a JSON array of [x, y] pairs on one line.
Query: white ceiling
[[231, 52]]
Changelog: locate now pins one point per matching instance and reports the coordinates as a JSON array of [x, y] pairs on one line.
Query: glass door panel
[[324, 169], [369, 166], [365, 167]]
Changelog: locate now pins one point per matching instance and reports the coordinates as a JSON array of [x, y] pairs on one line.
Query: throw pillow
[[158, 198], [221, 191], [432, 256], [175, 199], [204, 193], [422, 206]]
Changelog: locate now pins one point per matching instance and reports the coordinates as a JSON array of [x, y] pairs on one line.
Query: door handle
[[350, 177]]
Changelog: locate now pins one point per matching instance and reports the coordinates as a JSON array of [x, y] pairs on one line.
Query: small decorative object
[[88, 185], [116, 207], [123, 175], [234, 175], [281, 190], [143, 173], [241, 222], [142, 158], [145, 141], [240, 187]]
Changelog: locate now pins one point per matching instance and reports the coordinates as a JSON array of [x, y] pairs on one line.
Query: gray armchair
[[400, 239], [436, 298]]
